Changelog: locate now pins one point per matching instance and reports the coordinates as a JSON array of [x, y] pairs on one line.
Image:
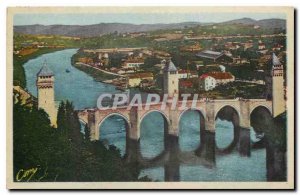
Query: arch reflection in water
[[152, 129], [113, 131], [224, 133], [226, 171], [189, 130]]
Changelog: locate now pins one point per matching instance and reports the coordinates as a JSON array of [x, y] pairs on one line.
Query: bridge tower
[[275, 86], [45, 88], [170, 79]]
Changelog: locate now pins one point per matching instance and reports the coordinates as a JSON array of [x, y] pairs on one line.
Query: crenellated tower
[[275, 85], [45, 88]]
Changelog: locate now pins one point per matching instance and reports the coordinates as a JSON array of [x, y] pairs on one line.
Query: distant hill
[[266, 23], [98, 29], [105, 28]]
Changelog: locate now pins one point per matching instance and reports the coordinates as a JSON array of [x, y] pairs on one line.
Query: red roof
[[218, 75], [203, 76], [186, 83], [182, 71]]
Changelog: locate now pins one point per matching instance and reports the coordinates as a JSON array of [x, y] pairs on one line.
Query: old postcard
[[150, 98]]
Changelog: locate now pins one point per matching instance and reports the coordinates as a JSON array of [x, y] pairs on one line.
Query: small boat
[[67, 71]]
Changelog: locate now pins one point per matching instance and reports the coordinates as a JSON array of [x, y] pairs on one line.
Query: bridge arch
[[261, 106], [153, 133], [155, 110], [114, 114], [227, 130], [227, 106], [201, 112], [260, 118], [119, 138]]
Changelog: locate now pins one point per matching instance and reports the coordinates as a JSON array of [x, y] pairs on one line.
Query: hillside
[[97, 29], [266, 23], [106, 28]]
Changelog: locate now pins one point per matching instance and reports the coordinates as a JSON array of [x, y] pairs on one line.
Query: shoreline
[[19, 77], [98, 75]]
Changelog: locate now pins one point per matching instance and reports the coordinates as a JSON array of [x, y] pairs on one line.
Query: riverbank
[[19, 78], [97, 74]]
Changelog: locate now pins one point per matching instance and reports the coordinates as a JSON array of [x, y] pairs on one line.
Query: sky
[[135, 18]]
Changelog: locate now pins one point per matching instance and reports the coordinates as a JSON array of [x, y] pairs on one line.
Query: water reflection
[[224, 133], [152, 135], [113, 131], [189, 131]]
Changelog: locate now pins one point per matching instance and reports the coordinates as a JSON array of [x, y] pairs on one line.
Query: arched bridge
[[237, 110], [208, 110]]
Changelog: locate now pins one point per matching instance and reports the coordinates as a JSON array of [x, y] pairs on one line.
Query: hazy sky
[[135, 18]]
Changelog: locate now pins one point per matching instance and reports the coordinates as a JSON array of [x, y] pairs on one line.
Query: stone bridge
[[238, 111], [208, 109]]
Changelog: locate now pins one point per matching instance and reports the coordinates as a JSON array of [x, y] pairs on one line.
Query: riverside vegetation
[[43, 153]]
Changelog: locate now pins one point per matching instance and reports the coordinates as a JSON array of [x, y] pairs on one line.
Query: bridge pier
[[207, 150], [243, 144], [172, 166], [132, 150], [92, 125], [172, 171]]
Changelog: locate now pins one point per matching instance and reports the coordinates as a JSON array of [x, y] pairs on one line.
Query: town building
[[133, 63], [85, 60], [185, 84], [135, 80], [221, 77], [190, 48], [45, 88], [239, 60], [247, 45], [184, 74], [207, 82], [209, 56], [161, 54], [232, 45], [277, 47], [261, 46]]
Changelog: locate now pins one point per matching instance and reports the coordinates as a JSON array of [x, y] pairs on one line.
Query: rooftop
[[209, 54], [45, 71], [141, 75], [217, 75], [170, 67], [275, 60]]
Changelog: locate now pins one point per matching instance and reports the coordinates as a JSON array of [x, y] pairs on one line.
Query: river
[[83, 91]]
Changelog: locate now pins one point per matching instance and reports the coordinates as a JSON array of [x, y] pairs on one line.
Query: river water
[[83, 91]]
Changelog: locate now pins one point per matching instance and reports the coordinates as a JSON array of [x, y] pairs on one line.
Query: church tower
[[45, 88], [275, 86], [170, 79]]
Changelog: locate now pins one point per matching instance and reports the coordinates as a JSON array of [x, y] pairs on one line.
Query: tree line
[[42, 153]]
